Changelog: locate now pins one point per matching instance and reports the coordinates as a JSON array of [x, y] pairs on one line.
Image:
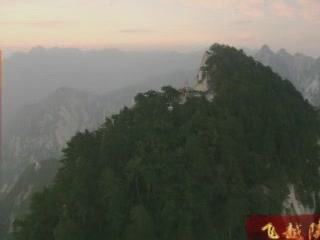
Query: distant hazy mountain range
[[32, 76], [38, 119]]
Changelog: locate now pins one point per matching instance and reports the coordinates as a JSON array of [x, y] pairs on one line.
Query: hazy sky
[[160, 24]]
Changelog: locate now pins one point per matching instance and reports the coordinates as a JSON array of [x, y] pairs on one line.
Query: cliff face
[[202, 84]]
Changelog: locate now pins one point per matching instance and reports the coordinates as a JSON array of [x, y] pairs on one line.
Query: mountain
[[111, 79], [303, 71], [40, 130], [31, 76], [167, 169]]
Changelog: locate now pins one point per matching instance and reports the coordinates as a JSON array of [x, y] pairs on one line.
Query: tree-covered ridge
[[194, 172], [273, 113]]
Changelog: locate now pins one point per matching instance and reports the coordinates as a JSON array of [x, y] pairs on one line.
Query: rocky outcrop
[[202, 84], [293, 206]]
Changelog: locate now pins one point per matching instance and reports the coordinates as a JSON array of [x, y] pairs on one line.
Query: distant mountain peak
[[266, 49], [68, 93], [65, 90], [298, 54], [38, 49], [283, 52]]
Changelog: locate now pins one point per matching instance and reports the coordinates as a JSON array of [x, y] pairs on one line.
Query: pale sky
[[160, 24]]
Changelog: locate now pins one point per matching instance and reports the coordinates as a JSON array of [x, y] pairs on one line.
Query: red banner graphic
[[303, 227]]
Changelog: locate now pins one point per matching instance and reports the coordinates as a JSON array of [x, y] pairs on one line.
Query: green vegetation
[[192, 173]]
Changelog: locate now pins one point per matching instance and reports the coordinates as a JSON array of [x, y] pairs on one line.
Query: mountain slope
[[192, 171], [301, 70]]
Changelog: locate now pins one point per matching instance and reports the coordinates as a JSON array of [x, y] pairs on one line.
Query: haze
[[160, 24]]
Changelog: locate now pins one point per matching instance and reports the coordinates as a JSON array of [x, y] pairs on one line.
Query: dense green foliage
[[192, 173]]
